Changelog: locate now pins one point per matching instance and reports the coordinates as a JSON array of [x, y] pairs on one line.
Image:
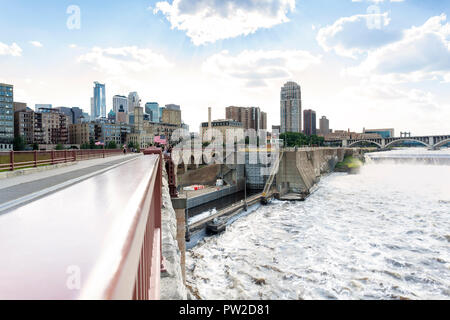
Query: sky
[[361, 63]]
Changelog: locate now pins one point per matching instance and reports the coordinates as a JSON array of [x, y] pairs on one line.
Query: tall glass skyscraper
[[291, 108], [6, 117], [120, 101], [133, 101], [98, 102], [155, 112]]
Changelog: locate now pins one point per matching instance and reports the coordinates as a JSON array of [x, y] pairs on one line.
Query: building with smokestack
[[222, 126]]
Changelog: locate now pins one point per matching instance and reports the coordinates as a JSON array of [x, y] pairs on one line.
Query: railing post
[[11, 159], [158, 201], [75, 155], [157, 194], [53, 157], [104, 155], [35, 158], [65, 156]]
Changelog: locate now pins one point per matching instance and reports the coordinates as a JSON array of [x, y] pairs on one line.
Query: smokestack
[[209, 124], [209, 118]]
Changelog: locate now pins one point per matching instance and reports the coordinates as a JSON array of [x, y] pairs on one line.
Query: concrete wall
[[205, 176], [211, 196], [173, 247], [301, 169]]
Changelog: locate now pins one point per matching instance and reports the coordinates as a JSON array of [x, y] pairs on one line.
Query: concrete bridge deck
[[20, 190]]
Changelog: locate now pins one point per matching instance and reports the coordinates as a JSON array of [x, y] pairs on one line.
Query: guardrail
[[13, 160], [98, 239]]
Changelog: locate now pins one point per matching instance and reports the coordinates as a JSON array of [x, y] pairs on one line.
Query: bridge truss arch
[[442, 143], [367, 141], [407, 139]]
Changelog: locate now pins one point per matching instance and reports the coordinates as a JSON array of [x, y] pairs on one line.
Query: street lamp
[[187, 236]]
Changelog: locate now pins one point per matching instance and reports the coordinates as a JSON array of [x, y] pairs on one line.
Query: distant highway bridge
[[432, 142]]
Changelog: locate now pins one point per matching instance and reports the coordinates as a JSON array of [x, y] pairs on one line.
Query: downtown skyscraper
[[98, 101], [310, 122], [133, 101], [251, 118], [120, 102], [291, 108], [324, 125], [154, 110], [6, 117]]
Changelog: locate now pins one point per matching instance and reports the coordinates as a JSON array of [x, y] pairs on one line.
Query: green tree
[[85, 146], [35, 146], [59, 146], [19, 143], [111, 145], [317, 141], [295, 139], [92, 144]]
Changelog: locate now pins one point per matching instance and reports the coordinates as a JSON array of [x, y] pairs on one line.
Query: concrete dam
[[299, 170]]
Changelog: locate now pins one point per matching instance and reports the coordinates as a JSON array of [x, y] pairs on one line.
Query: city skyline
[[347, 65]]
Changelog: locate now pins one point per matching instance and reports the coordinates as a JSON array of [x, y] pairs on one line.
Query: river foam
[[382, 234]]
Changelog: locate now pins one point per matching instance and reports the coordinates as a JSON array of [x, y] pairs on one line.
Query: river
[[381, 234]]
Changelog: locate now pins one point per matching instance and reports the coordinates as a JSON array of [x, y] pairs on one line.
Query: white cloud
[[395, 106], [355, 35], [37, 44], [423, 53], [255, 67], [125, 60], [206, 21], [378, 1], [10, 50], [73, 46]]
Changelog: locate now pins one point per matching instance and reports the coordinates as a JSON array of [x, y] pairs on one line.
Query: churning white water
[[382, 234]]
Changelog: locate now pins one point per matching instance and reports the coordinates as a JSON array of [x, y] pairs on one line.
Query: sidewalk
[[17, 187]]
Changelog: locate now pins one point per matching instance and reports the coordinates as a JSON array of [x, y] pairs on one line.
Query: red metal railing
[[26, 159], [98, 239]]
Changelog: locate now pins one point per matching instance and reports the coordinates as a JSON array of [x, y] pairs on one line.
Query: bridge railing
[[13, 160], [98, 239]]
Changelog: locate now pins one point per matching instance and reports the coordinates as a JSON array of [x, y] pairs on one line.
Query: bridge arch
[[368, 141], [407, 139], [442, 143]]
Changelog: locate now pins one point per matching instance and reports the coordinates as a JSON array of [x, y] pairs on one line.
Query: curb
[[24, 172]]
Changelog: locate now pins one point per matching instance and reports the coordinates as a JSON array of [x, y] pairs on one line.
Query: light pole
[[245, 190], [187, 236]]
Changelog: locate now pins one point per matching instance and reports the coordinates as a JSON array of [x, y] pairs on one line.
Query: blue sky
[[361, 63]]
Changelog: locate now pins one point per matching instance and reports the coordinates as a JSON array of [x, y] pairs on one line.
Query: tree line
[[296, 139]]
